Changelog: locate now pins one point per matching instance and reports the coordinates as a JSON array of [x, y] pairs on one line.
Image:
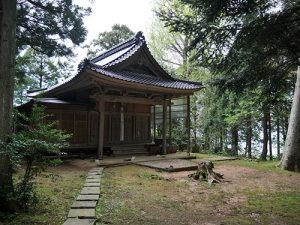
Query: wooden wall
[[136, 123], [80, 122], [83, 124]]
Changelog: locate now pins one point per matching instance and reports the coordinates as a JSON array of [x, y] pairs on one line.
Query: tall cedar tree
[[7, 70], [44, 25], [253, 43]]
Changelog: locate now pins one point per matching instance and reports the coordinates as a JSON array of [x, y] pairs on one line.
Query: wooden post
[[154, 123], [170, 122], [164, 131], [101, 127], [122, 122], [188, 124]]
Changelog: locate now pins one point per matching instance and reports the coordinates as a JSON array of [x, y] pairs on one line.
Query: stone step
[[82, 213], [97, 169], [92, 180], [93, 177], [84, 204], [92, 184], [90, 191], [76, 221], [94, 173], [87, 198]]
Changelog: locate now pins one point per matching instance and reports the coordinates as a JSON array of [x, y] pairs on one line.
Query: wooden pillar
[[170, 122], [164, 131], [122, 122], [101, 127], [188, 124], [154, 123]]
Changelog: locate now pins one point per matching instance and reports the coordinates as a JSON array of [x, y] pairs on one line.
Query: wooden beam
[[188, 124], [164, 131], [127, 99], [101, 127]]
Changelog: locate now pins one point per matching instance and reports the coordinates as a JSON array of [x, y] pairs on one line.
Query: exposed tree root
[[205, 172]]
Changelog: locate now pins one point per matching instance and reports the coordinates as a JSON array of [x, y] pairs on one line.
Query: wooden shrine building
[[108, 102]]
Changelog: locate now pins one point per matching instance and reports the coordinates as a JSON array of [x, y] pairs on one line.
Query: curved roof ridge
[[124, 56], [136, 39]]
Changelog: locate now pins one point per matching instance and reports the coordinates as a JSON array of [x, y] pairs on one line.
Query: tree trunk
[[270, 135], [205, 172], [234, 140], [278, 136], [249, 138], [264, 152], [207, 142], [7, 71], [221, 141], [291, 155]]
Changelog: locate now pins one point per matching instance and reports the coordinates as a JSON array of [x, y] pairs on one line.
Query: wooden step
[[129, 149]]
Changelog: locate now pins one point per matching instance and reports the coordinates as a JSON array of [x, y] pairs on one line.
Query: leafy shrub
[[196, 149], [54, 162], [34, 139]]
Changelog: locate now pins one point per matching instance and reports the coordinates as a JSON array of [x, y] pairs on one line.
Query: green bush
[[34, 139], [54, 162], [196, 149]]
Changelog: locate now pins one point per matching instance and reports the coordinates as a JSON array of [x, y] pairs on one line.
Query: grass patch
[[268, 208], [56, 191], [267, 166], [143, 196]]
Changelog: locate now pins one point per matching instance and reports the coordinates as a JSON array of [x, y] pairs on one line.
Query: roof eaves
[[183, 85]]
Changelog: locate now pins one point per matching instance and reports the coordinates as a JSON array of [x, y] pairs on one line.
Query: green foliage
[[196, 149], [55, 162], [25, 192], [179, 133], [36, 71], [231, 37], [31, 143], [49, 26], [106, 40]]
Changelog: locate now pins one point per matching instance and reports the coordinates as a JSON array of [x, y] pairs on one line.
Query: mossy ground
[[254, 193], [57, 187]]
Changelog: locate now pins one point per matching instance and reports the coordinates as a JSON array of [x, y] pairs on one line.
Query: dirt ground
[[250, 194]]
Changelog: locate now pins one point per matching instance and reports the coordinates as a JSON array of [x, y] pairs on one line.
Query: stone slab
[[92, 184], [90, 180], [75, 221], [171, 165], [90, 191], [82, 213], [94, 173], [83, 204], [97, 169], [87, 198], [93, 177]]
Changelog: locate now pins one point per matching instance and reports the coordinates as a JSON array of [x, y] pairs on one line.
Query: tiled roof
[[105, 64], [120, 51], [105, 61], [146, 79]]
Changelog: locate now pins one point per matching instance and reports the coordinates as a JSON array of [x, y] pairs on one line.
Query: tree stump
[[205, 172]]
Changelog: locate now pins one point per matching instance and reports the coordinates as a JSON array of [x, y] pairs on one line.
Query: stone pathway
[[82, 211]]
